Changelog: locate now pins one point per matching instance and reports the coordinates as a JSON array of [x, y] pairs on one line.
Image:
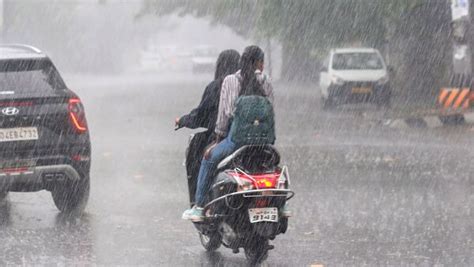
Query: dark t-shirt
[[205, 114]]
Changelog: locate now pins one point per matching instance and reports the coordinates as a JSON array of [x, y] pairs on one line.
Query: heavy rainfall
[[323, 133]]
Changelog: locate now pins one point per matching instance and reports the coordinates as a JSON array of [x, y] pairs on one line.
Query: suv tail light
[[77, 115]]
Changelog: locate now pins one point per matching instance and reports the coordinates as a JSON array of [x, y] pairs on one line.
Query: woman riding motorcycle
[[249, 80], [205, 115]]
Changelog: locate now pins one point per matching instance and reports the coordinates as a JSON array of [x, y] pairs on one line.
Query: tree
[[307, 28]]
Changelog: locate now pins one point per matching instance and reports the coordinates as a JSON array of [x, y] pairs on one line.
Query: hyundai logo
[[10, 111]]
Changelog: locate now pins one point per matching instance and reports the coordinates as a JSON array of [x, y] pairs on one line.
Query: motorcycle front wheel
[[210, 242]]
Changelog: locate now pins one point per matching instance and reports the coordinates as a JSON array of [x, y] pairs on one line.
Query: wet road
[[366, 194]]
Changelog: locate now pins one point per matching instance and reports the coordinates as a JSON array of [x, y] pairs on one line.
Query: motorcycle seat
[[252, 158]]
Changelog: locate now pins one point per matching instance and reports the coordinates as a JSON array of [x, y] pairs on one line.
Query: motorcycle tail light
[[257, 181], [267, 181]]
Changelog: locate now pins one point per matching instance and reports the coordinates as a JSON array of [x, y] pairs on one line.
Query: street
[[366, 194]]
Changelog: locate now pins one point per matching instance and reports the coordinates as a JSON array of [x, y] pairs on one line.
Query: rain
[[236, 133]]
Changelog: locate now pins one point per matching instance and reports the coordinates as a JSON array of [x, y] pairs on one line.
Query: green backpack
[[253, 122]]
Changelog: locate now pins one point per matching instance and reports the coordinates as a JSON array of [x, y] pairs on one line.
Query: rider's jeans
[[208, 166]]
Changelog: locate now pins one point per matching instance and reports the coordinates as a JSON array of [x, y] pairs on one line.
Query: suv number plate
[[263, 215], [18, 134]]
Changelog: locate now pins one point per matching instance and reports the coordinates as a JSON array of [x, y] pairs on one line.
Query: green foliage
[[325, 22], [307, 28]]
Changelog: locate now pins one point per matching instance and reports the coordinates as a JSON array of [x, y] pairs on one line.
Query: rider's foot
[[195, 214], [285, 211]]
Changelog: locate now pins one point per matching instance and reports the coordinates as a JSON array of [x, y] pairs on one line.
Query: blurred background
[[114, 36], [376, 186]]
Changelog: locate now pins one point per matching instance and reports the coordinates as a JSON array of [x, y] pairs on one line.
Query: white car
[[351, 75], [204, 59]]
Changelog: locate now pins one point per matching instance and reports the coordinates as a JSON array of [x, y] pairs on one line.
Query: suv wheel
[[3, 195], [383, 102], [327, 103], [383, 98], [72, 196]]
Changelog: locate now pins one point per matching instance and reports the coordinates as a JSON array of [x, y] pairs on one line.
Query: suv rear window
[[357, 61], [29, 76]]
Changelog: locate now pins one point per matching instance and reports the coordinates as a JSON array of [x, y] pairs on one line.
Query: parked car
[[204, 59], [44, 138], [354, 75]]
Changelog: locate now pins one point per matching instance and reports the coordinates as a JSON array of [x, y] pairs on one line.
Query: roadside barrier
[[455, 98]]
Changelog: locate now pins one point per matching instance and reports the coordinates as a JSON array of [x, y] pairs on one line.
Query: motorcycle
[[245, 202]]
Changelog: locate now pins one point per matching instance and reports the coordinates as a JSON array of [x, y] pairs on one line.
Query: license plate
[[18, 134], [263, 215], [361, 90]]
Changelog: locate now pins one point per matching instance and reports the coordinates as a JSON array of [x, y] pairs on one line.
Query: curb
[[424, 122]]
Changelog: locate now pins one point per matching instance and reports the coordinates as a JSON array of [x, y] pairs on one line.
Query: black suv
[[44, 139]]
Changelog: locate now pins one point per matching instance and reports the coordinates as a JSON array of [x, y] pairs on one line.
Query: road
[[366, 194]]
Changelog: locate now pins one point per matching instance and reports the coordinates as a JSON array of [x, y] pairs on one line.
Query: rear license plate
[[18, 134], [361, 90], [263, 215]]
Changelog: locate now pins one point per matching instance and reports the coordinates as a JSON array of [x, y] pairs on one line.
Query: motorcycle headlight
[[337, 80], [383, 80]]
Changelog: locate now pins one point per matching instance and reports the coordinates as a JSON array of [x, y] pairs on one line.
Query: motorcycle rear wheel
[[257, 251], [210, 242]]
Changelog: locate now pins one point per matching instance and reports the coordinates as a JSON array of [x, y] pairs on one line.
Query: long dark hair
[[227, 63], [249, 83]]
